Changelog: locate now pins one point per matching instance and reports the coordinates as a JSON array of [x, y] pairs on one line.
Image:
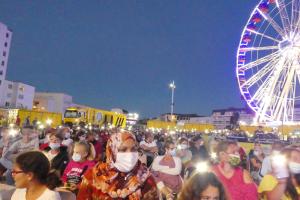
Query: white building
[[17, 95], [222, 118], [5, 40], [201, 120], [52, 102]]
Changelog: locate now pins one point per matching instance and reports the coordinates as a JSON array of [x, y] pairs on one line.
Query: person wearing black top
[[56, 153], [198, 149]]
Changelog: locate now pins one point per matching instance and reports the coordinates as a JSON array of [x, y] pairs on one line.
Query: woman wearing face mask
[[183, 151], [236, 181], [256, 157], [82, 160], [122, 176], [56, 153], [283, 183], [166, 171], [67, 136]]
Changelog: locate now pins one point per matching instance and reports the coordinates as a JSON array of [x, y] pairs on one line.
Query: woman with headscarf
[[122, 176]]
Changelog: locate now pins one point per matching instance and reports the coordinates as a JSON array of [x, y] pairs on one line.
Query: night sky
[[124, 53]]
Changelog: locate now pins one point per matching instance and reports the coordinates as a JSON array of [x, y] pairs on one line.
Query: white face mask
[[184, 146], [67, 135], [82, 138], [257, 152], [54, 146], [294, 167], [126, 161], [76, 157], [172, 152]]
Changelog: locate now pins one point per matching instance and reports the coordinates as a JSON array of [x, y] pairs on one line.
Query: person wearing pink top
[[82, 160], [237, 181]]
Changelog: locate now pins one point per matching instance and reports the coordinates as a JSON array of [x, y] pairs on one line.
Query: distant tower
[[5, 39]]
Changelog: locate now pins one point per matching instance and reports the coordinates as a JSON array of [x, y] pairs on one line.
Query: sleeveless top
[[235, 186]]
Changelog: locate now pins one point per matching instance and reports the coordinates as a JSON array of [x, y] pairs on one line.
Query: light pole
[[172, 86]]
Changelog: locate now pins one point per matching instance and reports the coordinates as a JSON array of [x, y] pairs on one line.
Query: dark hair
[[199, 182], [57, 135], [196, 138], [37, 163], [28, 127], [168, 143], [223, 145], [182, 139]]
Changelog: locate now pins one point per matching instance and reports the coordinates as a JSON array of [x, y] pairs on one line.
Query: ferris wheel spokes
[[280, 107], [284, 16], [295, 15], [260, 93], [258, 76], [263, 35], [259, 61], [269, 19], [259, 48], [269, 91]]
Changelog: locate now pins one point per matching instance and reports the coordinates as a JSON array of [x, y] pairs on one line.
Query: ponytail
[[53, 180], [37, 163], [90, 149], [92, 152]]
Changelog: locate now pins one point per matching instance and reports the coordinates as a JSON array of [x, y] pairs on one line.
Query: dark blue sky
[[124, 53]]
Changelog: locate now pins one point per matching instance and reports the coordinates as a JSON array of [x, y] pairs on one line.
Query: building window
[[0, 82], [21, 89], [2, 63], [21, 96], [1, 72], [7, 104], [9, 86], [9, 95], [7, 35], [4, 53], [5, 44]]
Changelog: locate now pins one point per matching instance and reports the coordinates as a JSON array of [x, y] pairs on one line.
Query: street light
[[172, 86]]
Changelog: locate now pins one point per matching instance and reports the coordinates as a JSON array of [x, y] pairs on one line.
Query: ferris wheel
[[268, 60]]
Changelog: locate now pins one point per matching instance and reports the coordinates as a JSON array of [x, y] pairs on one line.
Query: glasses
[[13, 172]]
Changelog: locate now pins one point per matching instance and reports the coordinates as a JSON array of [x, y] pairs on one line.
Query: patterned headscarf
[[114, 142], [109, 181]]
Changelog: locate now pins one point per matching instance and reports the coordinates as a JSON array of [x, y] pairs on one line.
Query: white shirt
[[50, 155], [266, 166], [166, 169], [20, 194], [67, 142]]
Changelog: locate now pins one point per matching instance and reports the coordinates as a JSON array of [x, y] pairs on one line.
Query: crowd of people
[[133, 165]]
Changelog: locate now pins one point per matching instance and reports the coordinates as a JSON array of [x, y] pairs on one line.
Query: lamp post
[[172, 86]]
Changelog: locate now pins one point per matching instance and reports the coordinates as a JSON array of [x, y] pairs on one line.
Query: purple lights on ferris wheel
[[269, 45]]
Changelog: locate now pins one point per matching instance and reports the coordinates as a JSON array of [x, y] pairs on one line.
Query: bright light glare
[[12, 132], [202, 167], [213, 155], [279, 159], [172, 85], [49, 122]]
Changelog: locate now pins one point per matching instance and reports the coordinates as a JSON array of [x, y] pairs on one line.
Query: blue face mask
[[172, 152]]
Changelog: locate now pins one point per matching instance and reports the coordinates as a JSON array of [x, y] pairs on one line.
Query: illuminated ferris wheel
[[268, 60]]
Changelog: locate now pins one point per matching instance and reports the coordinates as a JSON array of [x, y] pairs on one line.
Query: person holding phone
[[283, 183]]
